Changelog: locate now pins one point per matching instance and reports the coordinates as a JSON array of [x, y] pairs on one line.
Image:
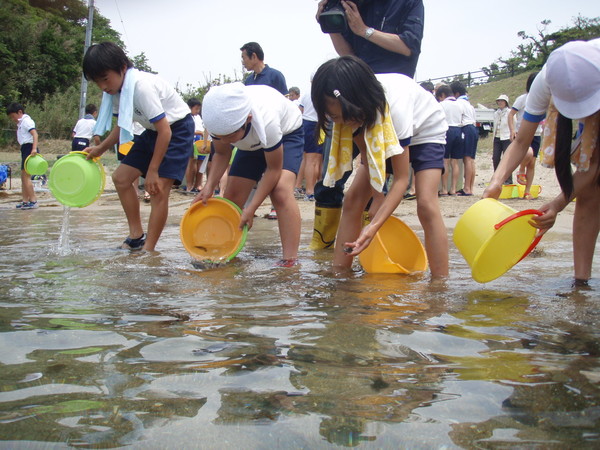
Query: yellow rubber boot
[[325, 227]]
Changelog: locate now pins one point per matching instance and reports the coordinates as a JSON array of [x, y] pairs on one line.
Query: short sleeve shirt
[[154, 99], [24, 128], [417, 116]]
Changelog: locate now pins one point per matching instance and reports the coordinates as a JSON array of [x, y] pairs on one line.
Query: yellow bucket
[[509, 191], [394, 249], [536, 190], [493, 237]]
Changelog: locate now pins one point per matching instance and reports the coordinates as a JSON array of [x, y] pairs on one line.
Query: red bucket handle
[[525, 212]]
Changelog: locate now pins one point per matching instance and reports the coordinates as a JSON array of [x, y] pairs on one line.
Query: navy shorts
[[25, 152], [455, 147], [251, 164], [78, 144], [427, 156], [471, 137], [311, 144], [178, 153]]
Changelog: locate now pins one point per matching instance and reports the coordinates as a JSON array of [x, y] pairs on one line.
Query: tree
[[140, 62], [533, 53]]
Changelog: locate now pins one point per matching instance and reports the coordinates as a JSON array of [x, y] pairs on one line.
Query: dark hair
[[445, 90], [530, 79], [360, 93], [194, 102], [253, 48], [295, 90], [562, 154], [90, 109], [458, 88], [14, 108], [100, 58], [428, 86]]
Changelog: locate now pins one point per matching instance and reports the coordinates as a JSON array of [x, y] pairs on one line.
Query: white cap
[[225, 108], [573, 76], [503, 97]]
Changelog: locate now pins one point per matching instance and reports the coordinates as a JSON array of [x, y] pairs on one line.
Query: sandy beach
[[452, 207]]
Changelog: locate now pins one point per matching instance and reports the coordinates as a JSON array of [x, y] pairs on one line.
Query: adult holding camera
[[386, 34]]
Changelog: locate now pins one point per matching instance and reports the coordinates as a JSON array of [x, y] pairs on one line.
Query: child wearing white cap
[[566, 89], [267, 130]]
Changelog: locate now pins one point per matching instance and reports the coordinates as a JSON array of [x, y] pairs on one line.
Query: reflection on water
[[104, 348]]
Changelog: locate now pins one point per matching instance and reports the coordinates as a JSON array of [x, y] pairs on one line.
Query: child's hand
[[93, 152], [247, 219], [203, 196], [152, 183], [546, 220], [492, 191], [363, 241]]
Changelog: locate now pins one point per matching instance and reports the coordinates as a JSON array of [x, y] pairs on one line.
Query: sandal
[[146, 197], [527, 196], [134, 244], [521, 178]]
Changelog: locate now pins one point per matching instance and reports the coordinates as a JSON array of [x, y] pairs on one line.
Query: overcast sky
[[190, 41]]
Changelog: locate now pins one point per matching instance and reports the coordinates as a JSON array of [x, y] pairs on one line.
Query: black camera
[[333, 17]]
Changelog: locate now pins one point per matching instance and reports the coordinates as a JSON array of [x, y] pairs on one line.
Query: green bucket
[[76, 181], [36, 164]]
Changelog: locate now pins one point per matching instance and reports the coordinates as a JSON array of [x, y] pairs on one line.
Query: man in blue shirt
[[253, 60], [387, 35]]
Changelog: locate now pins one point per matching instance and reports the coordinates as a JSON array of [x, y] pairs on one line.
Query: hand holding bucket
[[77, 181], [493, 237]]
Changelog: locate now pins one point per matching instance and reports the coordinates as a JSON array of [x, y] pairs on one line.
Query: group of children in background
[[392, 121]]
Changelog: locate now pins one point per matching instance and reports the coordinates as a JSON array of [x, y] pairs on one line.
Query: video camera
[[333, 17]]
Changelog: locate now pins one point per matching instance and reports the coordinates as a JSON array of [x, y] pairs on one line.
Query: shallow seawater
[[102, 348]]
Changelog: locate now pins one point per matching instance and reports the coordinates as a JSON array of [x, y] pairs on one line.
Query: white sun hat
[[573, 76], [225, 108]]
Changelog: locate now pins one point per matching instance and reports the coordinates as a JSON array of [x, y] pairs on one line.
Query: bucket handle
[[94, 159], [525, 212]]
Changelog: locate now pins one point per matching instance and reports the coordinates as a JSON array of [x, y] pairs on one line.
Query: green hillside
[[486, 94]]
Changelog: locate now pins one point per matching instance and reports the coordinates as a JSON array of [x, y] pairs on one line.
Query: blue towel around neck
[[125, 120]]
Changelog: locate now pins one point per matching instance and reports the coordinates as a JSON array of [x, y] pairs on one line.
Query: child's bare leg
[[586, 224], [27, 191], [158, 213], [123, 178], [454, 164], [288, 214], [430, 216], [469, 175], [355, 200]]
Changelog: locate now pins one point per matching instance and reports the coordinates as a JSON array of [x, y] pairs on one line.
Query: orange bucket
[[394, 249]]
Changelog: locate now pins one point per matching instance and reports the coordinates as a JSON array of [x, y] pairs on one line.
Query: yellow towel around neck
[[382, 142]]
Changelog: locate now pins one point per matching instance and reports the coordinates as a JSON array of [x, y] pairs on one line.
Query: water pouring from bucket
[[493, 237]]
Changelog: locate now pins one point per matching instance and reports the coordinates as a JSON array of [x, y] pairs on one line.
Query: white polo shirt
[[453, 111], [417, 116], [309, 111], [24, 127], [519, 107], [84, 128], [153, 99], [468, 112], [275, 113]]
